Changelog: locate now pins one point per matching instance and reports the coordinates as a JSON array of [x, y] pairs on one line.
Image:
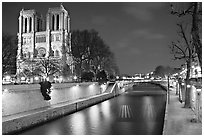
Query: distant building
[[42, 38]]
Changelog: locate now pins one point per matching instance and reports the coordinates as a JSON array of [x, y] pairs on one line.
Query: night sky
[[137, 33]]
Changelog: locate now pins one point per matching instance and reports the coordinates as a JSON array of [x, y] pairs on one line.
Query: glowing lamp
[[23, 78], [36, 78], [8, 77], [75, 77]]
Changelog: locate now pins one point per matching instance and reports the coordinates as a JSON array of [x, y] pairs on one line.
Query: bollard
[[199, 104]]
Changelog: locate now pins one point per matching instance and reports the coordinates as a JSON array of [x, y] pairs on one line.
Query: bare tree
[[46, 67], [183, 49], [195, 10]]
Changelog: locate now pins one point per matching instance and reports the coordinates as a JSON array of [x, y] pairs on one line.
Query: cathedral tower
[[44, 38]]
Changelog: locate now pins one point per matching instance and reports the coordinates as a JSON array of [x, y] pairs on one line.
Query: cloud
[[142, 11], [127, 44], [99, 20], [103, 20], [147, 34]]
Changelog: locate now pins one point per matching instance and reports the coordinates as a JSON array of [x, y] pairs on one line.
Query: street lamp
[[75, 78]]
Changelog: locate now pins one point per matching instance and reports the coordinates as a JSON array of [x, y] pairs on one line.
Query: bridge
[[137, 106]]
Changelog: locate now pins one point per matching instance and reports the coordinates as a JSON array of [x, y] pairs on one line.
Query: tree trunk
[[187, 94], [195, 31]]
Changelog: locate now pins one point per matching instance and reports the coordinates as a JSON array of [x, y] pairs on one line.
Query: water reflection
[[105, 106], [129, 113], [148, 107], [54, 130], [149, 113], [94, 117], [78, 124]]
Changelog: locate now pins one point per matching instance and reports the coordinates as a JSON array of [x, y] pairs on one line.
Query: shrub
[[87, 76]]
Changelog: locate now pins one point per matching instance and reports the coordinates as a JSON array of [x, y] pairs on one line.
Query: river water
[[139, 111]]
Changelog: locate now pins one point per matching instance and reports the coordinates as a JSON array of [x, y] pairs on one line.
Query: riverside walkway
[[179, 120]]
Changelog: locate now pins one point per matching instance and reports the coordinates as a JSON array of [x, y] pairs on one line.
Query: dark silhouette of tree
[[87, 76], [90, 53], [101, 77], [110, 66], [194, 9], [9, 52], [79, 49], [163, 71], [159, 71]]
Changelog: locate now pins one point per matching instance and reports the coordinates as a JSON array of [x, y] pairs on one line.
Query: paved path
[[179, 119]]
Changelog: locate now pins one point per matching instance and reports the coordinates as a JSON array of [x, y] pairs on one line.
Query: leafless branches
[[195, 10]]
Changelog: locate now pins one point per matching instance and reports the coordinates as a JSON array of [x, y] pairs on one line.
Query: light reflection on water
[[145, 118], [78, 124], [105, 106], [149, 113], [54, 130], [94, 116]]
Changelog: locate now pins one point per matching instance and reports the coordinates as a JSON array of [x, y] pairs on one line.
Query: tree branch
[[181, 13]]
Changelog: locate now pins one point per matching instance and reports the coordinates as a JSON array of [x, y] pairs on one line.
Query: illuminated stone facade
[[43, 38]]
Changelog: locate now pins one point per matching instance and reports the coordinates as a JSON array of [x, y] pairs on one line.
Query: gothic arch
[[57, 28], [53, 22], [26, 25], [56, 53]]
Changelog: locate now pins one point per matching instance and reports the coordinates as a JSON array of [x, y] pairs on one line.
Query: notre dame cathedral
[[44, 38]]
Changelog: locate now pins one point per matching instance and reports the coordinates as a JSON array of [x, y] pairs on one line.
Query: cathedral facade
[[40, 38]]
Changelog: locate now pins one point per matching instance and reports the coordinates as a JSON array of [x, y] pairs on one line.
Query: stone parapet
[[18, 122]]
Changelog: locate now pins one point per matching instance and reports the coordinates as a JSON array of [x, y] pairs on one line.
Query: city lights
[[75, 77], [22, 78], [188, 86], [91, 86], [8, 78], [199, 89], [36, 78]]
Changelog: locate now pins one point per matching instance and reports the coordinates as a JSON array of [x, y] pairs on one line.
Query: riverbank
[[180, 120]]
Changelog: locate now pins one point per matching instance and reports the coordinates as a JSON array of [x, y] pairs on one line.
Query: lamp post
[[168, 91]]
